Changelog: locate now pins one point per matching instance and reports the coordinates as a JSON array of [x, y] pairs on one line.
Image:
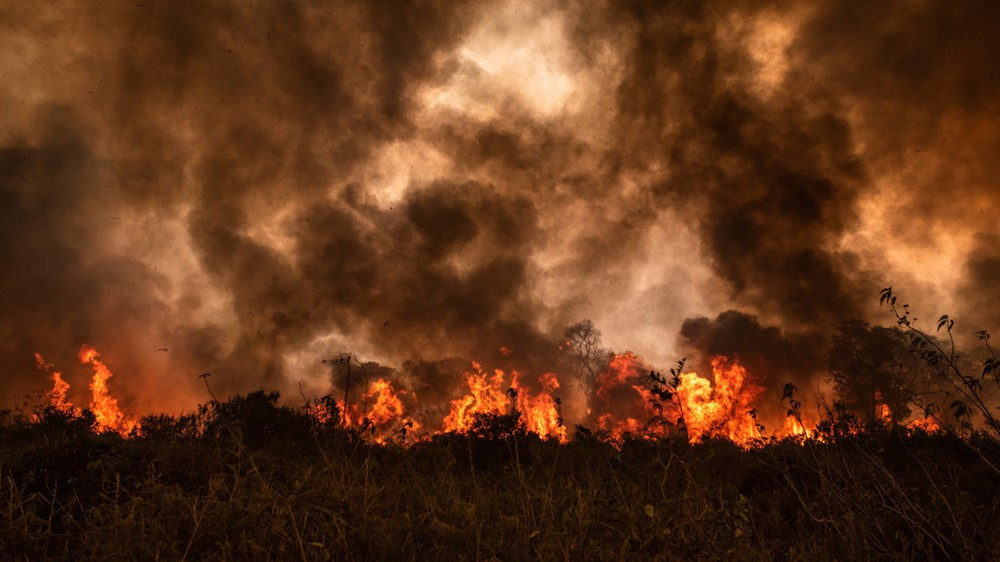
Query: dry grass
[[261, 482]]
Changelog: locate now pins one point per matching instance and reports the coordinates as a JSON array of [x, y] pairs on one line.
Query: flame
[[385, 413], [539, 412], [320, 412], [107, 414], [928, 424], [720, 410], [618, 429], [105, 407], [628, 400], [58, 394], [485, 396], [882, 411], [628, 405], [795, 427], [60, 388]]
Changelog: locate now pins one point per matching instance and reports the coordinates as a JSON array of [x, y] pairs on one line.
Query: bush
[[261, 481]]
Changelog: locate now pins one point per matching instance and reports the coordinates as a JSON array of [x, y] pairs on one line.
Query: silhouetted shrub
[[255, 419]]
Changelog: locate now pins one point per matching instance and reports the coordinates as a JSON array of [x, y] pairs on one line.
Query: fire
[[105, 407], [720, 410], [629, 408], [320, 412], [722, 407], [795, 428], [882, 411], [628, 399], [60, 388], [539, 412], [381, 411], [107, 413], [618, 429], [928, 424], [387, 405], [485, 396]]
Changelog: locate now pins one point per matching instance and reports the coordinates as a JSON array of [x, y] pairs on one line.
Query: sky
[[248, 189]]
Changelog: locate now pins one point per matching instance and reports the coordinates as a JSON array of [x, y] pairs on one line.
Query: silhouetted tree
[[582, 344], [871, 366]]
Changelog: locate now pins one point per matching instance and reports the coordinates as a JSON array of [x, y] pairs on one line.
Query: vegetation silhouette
[[252, 478]]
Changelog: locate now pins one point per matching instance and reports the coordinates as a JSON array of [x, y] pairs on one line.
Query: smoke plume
[[248, 190]]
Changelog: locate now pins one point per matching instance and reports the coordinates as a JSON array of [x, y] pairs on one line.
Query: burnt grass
[[248, 479]]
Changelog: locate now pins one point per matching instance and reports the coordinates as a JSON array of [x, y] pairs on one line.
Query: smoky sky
[[256, 188]]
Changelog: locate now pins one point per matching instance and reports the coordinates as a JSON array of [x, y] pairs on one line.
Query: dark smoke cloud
[[772, 181], [59, 288], [776, 181], [980, 292], [921, 80], [257, 188], [774, 357]]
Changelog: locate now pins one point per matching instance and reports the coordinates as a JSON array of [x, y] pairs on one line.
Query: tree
[[964, 390], [582, 344], [872, 369]]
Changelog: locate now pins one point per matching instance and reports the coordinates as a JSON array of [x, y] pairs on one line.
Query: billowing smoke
[[249, 190], [776, 358]]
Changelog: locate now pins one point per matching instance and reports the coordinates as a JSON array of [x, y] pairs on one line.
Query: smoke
[[775, 357], [254, 189], [981, 289]]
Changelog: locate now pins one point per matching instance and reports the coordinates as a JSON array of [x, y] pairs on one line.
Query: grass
[[251, 480]]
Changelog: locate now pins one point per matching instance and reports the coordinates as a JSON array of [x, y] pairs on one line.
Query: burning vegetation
[[625, 399], [669, 464], [676, 466], [108, 416]]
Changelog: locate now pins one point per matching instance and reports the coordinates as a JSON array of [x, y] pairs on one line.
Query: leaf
[[942, 322], [990, 366], [788, 390], [961, 410], [884, 295], [972, 383]]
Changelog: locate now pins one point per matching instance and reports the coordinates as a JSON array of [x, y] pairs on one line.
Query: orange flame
[[60, 388], [628, 400], [539, 412], [722, 410], [882, 411], [320, 412], [716, 408], [928, 424], [795, 428], [105, 407], [386, 414], [627, 404], [486, 396]]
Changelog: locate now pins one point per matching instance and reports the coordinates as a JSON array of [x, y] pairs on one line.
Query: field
[[250, 479]]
